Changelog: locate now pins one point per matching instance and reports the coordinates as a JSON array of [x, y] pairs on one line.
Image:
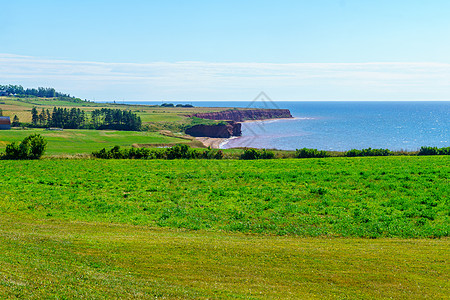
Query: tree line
[[76, 118], [39, 92]]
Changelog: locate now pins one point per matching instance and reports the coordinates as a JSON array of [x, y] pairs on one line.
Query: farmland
[[240, 229], [154, 116], [361, 197], [79, 141], [361, 227]]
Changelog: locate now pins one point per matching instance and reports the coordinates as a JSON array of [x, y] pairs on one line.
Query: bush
[[310, 153], [32, 147], [179, 151], [211, 154], [434, 151], [266, 154], [255, 154], [12, 151], [368, 152]]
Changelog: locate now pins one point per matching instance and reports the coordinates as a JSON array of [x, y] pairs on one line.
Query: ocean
[[341, 126]]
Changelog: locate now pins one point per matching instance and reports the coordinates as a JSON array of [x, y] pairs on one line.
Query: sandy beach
[[214, 143]]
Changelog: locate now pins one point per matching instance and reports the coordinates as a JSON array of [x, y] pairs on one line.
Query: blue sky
[[229, 50]]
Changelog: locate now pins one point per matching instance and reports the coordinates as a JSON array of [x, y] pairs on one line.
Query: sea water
[[340, 126]]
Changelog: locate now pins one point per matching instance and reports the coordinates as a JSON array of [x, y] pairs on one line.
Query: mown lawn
[[49, 259], [74, 141], [360, 197]]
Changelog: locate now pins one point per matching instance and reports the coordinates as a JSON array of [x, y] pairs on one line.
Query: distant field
[[151, 115], [360, 197], [71, 141]]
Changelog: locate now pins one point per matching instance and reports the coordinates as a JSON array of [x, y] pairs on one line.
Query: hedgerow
[[368, 152], [310, 153], [179, 151]]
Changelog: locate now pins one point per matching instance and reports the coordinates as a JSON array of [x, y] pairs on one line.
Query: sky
[[229, 50]]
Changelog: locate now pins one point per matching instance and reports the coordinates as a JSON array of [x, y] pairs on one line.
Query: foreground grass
[[58, 259], [79, 141], [362, 197]]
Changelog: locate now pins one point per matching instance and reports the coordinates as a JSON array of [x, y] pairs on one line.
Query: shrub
[[12, 151], [211, 154], [250, 154], [179, 151], [434, 151], [266, 154], [255, 154], [32, 147], [310, 153], [368, 152], [428, 151]]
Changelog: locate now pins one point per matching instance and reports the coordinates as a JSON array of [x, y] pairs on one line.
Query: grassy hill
[[69, 142], [154, 116], [359, 228]]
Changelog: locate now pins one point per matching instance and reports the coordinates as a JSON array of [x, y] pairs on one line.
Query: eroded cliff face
[[232, 116], [243, 115], [227, 130]]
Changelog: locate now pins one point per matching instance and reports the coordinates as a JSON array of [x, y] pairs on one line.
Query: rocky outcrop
[[224, 130], [245, 114]]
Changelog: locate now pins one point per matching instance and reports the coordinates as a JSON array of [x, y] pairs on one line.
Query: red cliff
[[245, 114], [226, 130]]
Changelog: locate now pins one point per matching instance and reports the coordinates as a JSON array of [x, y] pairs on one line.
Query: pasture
[[404, 197], [79, 141], [364, 228]]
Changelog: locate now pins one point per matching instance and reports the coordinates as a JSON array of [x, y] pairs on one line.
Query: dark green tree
[[34, 116], [16, 122], [32, 147], [42, 117]]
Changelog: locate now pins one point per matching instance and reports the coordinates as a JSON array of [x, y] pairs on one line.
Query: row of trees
[[76, 118], [107, 118], [39, 92]]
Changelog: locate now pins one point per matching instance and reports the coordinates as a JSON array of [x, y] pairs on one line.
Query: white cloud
[[231, 81]]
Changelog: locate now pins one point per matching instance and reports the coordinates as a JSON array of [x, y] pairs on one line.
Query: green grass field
[[287, 228], [52, 259], [362, 197], [78, 141], [356, 228]]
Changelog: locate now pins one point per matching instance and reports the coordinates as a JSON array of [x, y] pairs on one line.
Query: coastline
[[214, 143], [218, 143], [272, 119]]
